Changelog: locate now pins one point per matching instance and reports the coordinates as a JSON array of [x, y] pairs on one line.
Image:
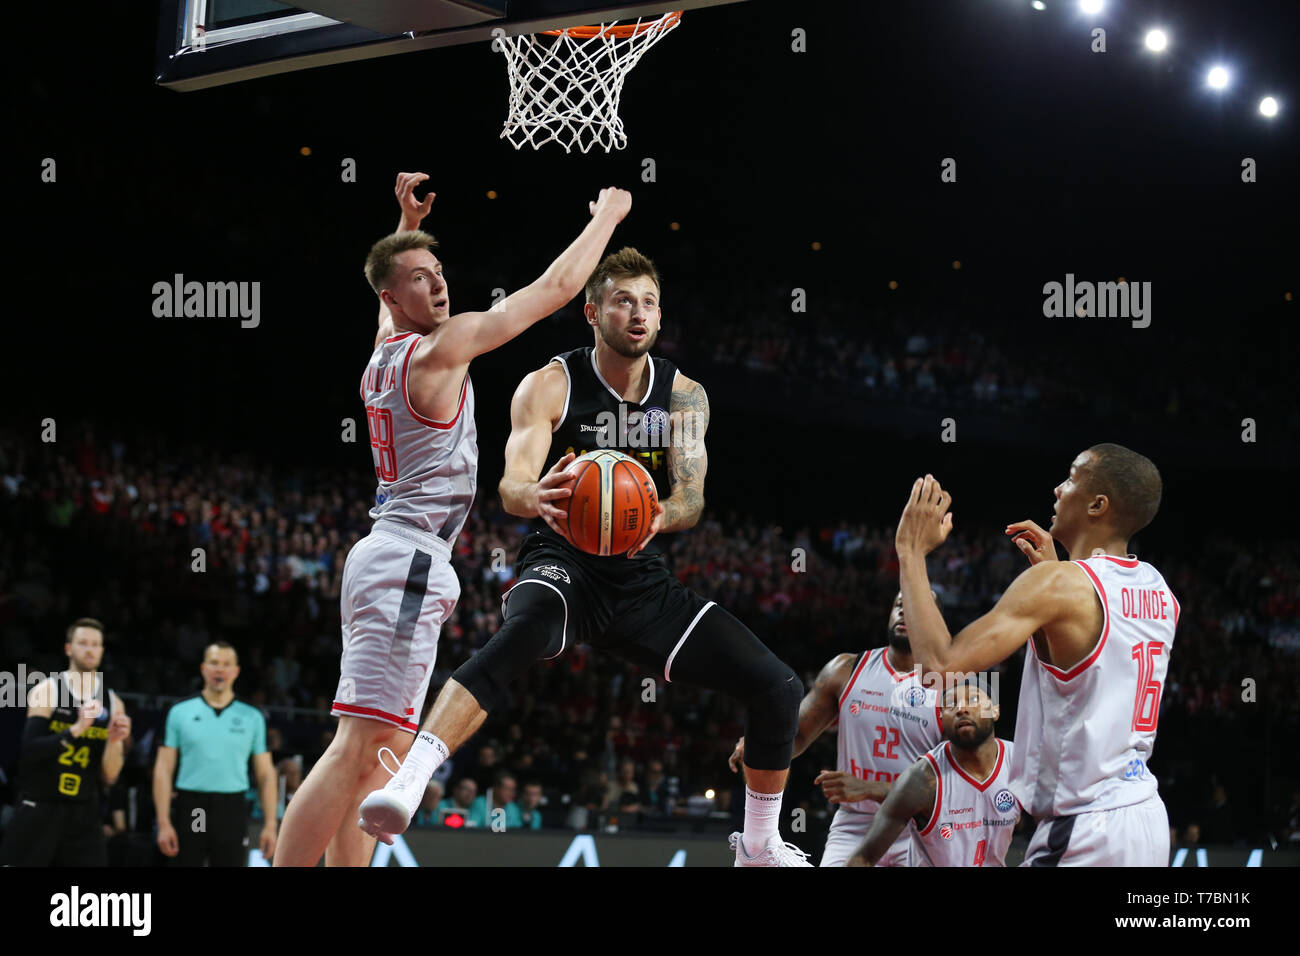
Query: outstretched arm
[[1045, 594], [910, 798], [466, 335]]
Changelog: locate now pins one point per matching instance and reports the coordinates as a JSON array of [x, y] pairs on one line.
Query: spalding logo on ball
[[613, 503]]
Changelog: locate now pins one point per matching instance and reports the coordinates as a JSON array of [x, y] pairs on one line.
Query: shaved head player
[[1100, 628], [630, 605], [955, 800], [398, 584], [886, 720]]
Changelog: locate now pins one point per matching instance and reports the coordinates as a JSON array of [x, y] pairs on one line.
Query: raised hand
[[413, 210], [1035, 543], [926, 521], [617, 202]]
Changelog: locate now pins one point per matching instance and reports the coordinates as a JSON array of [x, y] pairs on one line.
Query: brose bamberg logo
[[75, 909]]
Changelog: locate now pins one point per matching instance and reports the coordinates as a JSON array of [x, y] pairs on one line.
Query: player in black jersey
[[73, 740], [613, 395]]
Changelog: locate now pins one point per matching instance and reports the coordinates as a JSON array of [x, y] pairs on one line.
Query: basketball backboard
[[203, 43]]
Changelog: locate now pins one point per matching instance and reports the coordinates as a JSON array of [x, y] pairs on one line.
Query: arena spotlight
[[1268, 106], [1090, 6], [1038, 4], [1156, 41], [1217, 78]]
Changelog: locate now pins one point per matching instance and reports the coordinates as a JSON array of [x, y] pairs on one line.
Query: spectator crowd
[[175, 548]]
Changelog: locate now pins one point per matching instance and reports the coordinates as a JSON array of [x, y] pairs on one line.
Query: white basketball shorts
[[848, 830], [1136, 835], [398, 588]]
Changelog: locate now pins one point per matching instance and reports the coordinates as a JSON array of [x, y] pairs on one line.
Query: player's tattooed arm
[[910, 798], [688, 461]]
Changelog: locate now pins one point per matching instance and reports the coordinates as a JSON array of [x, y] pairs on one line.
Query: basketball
[[612, 505]]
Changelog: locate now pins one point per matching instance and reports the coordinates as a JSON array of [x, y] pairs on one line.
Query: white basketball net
[[566, 88]]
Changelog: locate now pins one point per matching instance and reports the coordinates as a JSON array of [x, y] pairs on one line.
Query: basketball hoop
[[565, 84]]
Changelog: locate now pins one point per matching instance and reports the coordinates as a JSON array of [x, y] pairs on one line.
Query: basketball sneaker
[[388, 811], [775, 853]]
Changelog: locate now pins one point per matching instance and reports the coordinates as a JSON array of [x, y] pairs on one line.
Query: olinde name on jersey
[[1084, 735], [426, 469], [887, 720], [972, 822]]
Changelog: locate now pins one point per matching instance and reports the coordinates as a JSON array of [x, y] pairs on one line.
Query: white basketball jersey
[[887, 720], [972, 822], [1084, 736], [427, 470]]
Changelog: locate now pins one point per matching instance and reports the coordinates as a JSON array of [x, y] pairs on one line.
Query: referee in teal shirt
[[214, 735]]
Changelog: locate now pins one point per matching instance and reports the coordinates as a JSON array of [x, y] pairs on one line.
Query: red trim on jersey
[[406, 395], [898, 678], [1122, 562], [399, 335], [1176, 607], [981, 787], [938, 794], [938, 716], [356, 711], [849, 686], [1082, 666]]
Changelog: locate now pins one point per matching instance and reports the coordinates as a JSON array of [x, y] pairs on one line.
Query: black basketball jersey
[[72, 774], [596, 417]]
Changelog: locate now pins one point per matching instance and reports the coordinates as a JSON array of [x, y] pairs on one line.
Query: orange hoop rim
[[621, 32]]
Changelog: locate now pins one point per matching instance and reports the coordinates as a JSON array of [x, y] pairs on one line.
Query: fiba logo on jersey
[[912, 694], [1004, 800], [656, 421], [654, 428]]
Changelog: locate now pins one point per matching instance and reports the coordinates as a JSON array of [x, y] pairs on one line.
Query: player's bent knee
[[533, 629], [772, 721]]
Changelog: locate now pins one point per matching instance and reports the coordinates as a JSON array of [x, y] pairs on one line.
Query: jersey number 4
[[889, 742], [1146, 709], [380, 422]]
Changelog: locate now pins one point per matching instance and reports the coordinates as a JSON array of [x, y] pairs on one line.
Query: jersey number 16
[[1146, 709]]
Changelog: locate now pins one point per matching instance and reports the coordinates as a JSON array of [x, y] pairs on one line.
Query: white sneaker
[[388, 811], [775, 853]]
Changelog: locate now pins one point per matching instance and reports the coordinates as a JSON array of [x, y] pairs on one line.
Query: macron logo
[[102, 909]]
